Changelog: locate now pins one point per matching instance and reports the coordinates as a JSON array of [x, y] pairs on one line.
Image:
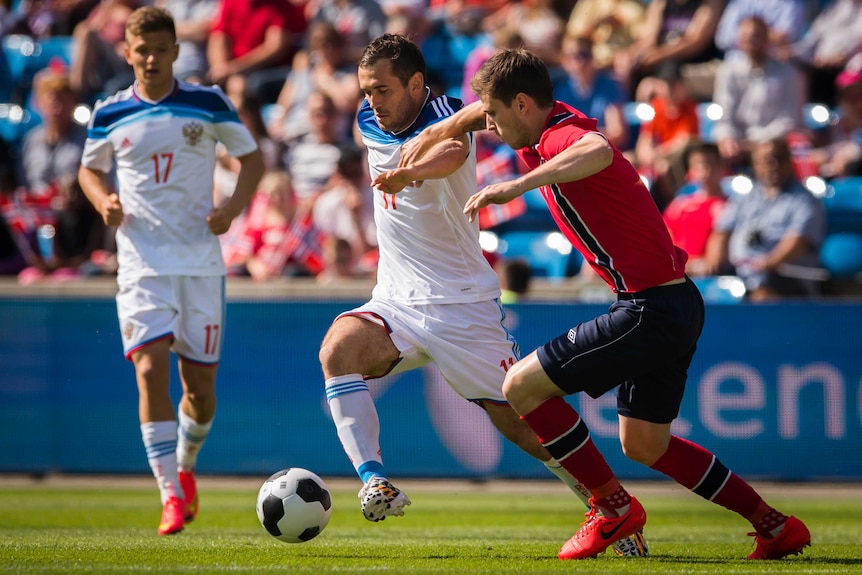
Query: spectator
[[248, 108], [312, 158], [357, 21], [323, 67], [15, 247], [536, 22], [450, 41], [596, 93], [826, 47], [99, 66], [193, 19], [502, 38], [67, 244], [762, 97], [662, 141], [680, 30], [785, 21], [255, 41], [774, 227], [690, 217], [843, 155], [612, 25], [345, 211], [52, 150], [515, 277], [274, 238]]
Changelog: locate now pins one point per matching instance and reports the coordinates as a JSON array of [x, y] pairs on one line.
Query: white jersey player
[[436, 298], [160, 136]]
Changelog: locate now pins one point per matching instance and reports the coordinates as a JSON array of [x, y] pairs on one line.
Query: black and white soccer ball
[[294, 505]]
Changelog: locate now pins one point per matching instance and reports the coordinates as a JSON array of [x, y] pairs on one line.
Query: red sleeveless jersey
[[609, 217]]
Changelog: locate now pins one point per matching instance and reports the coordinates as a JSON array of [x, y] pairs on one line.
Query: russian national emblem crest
[[192, 132]]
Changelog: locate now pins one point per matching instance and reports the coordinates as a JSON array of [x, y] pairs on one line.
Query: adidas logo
[[126, 143]]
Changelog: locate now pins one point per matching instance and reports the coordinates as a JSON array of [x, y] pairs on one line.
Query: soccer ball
[[294, 505]]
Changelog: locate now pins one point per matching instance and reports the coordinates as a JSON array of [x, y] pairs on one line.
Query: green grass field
[[107, 526]]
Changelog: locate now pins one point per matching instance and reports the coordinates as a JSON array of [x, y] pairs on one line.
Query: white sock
[[160, 441], [357, 424], [582, 492], [189, 441]]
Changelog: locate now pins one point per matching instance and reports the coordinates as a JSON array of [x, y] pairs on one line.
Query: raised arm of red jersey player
[[470, 118], [589, 155]]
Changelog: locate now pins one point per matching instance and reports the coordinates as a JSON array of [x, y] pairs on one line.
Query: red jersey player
[[644, 344]]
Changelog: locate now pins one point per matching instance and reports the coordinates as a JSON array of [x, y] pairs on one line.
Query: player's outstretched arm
[[94, 183], [441, 160], [470, 118], [589, 155], [250, 171]]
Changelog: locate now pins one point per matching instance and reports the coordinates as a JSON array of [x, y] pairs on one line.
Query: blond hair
[[150, 19]]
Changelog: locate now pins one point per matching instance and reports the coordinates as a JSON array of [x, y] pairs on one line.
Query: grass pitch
[[100, 526]]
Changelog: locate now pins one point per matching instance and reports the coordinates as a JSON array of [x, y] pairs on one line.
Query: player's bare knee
[[642, 451], [515, 388]]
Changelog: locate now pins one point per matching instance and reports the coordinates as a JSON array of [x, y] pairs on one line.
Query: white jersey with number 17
[[165, 158]]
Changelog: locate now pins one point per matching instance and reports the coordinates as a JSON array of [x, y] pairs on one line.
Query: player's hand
[[111, 210], [494, 194], [394, 181], [219, 221]]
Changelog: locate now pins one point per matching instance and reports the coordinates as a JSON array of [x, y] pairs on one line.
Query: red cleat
[[190, 490], [792, 539], [172, 517], [598, 533]]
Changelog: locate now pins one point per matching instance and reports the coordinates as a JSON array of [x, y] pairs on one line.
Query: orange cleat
[[792, 539], [598, 533], [172, 517], [190, 490]]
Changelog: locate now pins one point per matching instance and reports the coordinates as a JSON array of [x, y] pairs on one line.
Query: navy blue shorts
[[644, 345]]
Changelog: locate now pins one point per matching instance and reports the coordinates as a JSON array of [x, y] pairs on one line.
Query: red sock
[[565, 435], [699, 470]]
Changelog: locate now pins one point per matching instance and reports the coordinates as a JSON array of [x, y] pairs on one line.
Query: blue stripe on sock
[[163, 448], [370, 468], [345, 388]]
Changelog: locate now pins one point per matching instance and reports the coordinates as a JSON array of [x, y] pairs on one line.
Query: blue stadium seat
[[708, 113], [14, 123], [59, 47], [721, 289], [843, 203], [817, 116], [537, 217], [549, 253], [636, 113], [841, 254], [267, 112], [25, 57], [18, 49]]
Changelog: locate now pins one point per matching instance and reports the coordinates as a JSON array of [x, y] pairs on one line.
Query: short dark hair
[[511, 72], [150, 19], [701, 147], [405, 56]]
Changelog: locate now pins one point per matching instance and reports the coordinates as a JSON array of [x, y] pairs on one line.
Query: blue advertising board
[[775, 391]]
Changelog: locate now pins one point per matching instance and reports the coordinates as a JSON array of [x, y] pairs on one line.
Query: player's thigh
[[200, 323], [630, 341], [471, 347], [359, 341], [147, 313]]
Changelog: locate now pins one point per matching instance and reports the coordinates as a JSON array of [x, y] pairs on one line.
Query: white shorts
[[466, 341], [188, 310]]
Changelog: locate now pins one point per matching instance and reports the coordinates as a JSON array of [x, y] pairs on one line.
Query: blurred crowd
[[695, 92]]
